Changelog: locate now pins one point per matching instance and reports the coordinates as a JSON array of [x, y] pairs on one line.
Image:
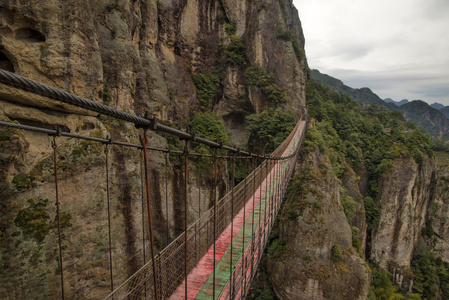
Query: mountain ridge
[[398, 103], [434, 121]]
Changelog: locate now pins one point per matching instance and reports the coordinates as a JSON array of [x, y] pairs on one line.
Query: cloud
[[397, 85], [400, 49]]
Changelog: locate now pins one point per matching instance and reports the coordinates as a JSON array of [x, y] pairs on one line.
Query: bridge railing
[[201, 235], [166, 271], [240, 279]]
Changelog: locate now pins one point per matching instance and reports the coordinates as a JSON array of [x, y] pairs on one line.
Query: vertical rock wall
[[312, 225], [136, 56]]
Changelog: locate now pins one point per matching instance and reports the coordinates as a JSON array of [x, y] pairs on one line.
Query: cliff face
[[318, 261], [406, 193], [136, 56], [411, 198], [300, 260], [440, 213]]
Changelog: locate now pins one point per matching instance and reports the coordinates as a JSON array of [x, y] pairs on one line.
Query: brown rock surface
[[312, 222], [136, 56]]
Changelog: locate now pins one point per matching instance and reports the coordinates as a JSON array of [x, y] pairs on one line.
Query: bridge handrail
[[242, 255], [257, 175], [32, 86]]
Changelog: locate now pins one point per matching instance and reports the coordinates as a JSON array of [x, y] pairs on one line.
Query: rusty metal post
[[55, 146], [199, 186], [198, 231], [253, 238], [186, 176], [143, 206], [167, 230], [232, 222], [260, 207], [215, 215], [106, 151], [244, 226], [272, 185], [144, 141]]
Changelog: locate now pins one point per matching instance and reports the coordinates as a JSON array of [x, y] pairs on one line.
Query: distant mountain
[[417, 111], [422, 114], [365, 94], [437, 105], [397, 103], [445, 111]]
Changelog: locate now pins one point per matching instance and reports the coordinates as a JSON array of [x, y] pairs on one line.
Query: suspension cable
[[38, 88]]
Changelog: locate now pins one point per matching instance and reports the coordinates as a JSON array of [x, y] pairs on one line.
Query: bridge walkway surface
[[203, 282]]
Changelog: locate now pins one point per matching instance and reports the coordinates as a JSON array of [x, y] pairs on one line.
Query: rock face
[[318, 261], [411, 198], [136, 56], [439, 213]]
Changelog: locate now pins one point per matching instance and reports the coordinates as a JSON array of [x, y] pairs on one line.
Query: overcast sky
[[398, 48]]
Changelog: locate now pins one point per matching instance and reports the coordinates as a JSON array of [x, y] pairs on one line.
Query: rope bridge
[[216, 256]]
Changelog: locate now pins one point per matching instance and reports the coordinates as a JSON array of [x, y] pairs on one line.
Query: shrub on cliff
[[207, 86], [235, 52], [208, 126], [269, 129], [256, 77]]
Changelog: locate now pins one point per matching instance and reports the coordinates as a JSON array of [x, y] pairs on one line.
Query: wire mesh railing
[[162, 276], [170, 262]]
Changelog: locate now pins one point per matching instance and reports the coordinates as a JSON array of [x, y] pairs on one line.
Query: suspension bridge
[[217, 255]]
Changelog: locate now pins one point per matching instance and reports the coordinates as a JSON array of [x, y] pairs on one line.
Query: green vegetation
[[208, 126], [287, 35], [277, 248], [428, 230], [23, 182], [256, 77], [35, 221], [207, 86], [234, 52], [372, 212], [348, 204], [336, 253], [230, 28], [438, 145], [5, 134], [382, 287], [269, 129], [284, 34], [345, 129], [84, 148], [431, 275], [359, 95], [173, 141], [355, 238], [349, 132], [107, 98], [442, 157]]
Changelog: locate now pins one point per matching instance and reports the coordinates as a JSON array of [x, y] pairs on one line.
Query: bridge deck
[[200, 282]]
